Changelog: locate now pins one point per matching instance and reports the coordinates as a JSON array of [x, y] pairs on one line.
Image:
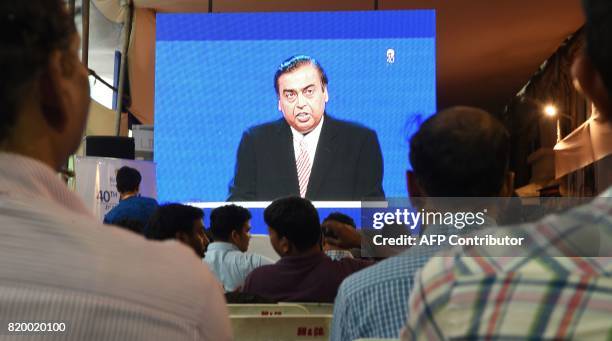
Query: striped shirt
[[58, 264], [543, 294]]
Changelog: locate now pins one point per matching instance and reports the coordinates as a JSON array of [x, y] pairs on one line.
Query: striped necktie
[[303, 168]]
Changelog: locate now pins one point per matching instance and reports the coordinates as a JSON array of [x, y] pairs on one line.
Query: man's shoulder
[[130, 207], [267, 128], [148, 205], [260, 276], [148, 201], [157, 261], [236, 256], [539, 241], [348, 126], [109, 217], [137, 201], [256, 259], [265, 270], [97, 266], [106, 254], [574, 226], [398, 269], [351, 263], [121, 205]]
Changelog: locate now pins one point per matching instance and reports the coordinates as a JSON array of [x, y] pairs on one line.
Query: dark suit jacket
[[348, 164]]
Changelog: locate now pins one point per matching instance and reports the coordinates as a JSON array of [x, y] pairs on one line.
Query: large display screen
[[214, 79]]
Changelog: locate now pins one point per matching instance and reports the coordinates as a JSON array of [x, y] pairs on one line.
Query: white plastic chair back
[[266, 309], [281, 328], [315, 308]]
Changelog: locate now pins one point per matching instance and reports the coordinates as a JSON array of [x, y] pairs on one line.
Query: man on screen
[[308, 153]]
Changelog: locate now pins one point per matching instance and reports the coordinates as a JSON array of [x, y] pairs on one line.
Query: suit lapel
[[323, 156], [286, 156]]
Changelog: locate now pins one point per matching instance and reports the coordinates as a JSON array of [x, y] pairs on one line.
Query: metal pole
[[85, 44], [123, 68]]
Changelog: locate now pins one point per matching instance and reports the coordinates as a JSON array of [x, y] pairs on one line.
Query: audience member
[[135, 226], [230, 226], [57, 262], [332, 251], [465, 294], [131, 205], [304, 273], [180, 222], [457, 152]]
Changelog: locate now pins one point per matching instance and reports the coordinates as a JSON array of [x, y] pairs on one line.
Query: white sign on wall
[[96, 181]]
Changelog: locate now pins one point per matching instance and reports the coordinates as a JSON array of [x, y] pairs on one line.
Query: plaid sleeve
[[433, 285]]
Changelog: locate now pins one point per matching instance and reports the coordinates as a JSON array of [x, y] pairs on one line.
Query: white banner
[[97, 185]]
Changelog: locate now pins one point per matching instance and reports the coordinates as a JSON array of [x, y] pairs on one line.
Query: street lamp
[[551, 110]]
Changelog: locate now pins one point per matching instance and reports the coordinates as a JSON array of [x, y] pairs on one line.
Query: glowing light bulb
[[550, 110]]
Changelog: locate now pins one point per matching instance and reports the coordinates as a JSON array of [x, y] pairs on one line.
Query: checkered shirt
[[543, 294]]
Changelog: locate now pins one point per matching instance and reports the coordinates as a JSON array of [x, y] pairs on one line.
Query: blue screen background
[[214, 79]]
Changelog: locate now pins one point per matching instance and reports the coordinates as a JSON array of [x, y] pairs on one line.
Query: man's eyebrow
[[302, 89]]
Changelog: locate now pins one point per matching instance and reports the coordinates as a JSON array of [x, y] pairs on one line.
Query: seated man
[[58, 263], [556, 290], [180, 222], [370, 304], [135, 226], [226, 256], [132, 206], [304, 273], [332, 251]]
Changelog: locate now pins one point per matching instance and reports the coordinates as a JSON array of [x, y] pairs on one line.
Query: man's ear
[[325, 93], [285, 245], [588, 81], [234, 237], [51, 88], [182, 237], [414, 189]]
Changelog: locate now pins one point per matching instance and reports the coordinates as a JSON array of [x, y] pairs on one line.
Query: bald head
[[461, 151]]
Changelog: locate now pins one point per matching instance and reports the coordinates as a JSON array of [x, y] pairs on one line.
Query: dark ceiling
[[487, 49]]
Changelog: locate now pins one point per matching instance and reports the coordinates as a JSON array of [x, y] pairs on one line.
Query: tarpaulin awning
[[590, 142]]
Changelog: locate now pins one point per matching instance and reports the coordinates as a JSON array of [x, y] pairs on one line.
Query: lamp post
[[551, 110]]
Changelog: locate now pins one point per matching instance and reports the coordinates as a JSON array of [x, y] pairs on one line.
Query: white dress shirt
[[58, 264], [230, 265]]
